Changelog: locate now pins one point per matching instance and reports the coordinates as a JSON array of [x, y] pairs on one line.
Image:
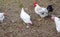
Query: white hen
[[43, 12], [25, 17], [2, 17], [57, 22]]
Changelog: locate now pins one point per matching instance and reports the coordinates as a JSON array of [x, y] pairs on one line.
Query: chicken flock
[[41, 11]]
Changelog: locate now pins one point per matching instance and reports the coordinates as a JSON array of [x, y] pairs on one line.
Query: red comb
[[35, 4]]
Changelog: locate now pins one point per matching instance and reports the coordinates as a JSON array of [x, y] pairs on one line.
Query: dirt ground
[[13, 26]]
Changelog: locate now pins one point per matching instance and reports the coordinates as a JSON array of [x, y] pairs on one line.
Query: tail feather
[[50, 8]]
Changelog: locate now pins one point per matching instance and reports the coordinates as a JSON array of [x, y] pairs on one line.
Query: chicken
[[2, 16], [25, 17], [41, 11], [57, 22]]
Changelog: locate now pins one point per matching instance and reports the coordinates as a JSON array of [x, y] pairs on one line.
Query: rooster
[[57, 22], [41, 11], [25, 17]]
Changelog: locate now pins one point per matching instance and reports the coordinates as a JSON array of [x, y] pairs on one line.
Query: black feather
[[50, 8]]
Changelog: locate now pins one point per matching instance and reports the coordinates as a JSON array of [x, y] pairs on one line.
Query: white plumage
[[2, 17], [43, 12], [57, 22], [25, 17]]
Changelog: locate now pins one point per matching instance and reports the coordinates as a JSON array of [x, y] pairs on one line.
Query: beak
[[30, 24]]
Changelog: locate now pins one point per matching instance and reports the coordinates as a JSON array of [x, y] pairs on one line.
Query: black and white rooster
[[42, 11]]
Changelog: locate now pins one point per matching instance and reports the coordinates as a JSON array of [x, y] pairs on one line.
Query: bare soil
[[13, 26]]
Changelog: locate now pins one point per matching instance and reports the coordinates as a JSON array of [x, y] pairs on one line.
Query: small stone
[[27, 26], [12, 21], [39, 19]]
